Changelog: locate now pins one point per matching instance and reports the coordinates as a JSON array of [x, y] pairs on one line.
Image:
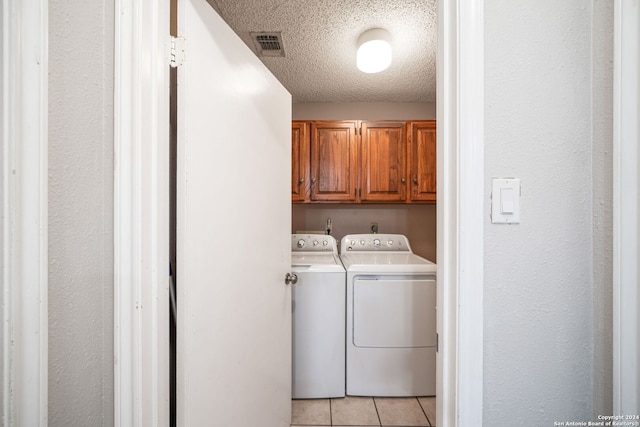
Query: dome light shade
[[374, 51]]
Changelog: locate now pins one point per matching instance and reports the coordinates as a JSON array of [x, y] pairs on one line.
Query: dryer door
[[394, 312]]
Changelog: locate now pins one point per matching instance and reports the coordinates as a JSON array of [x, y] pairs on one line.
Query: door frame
[[141, 213], [24, 193], [626, 213], [141, 188], [460, 216]]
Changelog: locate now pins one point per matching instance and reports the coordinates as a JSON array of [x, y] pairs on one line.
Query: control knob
[[301, 243], [376, 242]]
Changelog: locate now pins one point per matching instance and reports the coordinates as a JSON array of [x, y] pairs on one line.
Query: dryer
[[318, 300], [391, 317]]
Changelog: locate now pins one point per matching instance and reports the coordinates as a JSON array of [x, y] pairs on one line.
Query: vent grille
[[268, 44]]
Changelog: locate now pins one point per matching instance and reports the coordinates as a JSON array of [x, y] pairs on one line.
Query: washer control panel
[[313, 243], [375, 242]]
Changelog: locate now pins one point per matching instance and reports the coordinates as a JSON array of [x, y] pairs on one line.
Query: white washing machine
[[318, 317], [391, 317]]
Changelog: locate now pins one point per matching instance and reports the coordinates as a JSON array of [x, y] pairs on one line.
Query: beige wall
[[417, 222], [364, 111]]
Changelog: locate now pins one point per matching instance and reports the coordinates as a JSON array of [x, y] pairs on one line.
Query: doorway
[[461, 393]]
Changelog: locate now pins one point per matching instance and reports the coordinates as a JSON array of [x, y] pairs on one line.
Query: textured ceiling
[[320, 42]]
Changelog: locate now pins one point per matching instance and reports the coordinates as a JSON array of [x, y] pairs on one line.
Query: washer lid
[[314, 261], [398, 262]]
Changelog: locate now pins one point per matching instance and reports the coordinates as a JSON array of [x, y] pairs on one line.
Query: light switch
[[505, 201]]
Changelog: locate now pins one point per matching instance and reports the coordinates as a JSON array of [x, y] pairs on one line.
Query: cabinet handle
[[415, 180], [403, 180], [313, 180], [301, 180]]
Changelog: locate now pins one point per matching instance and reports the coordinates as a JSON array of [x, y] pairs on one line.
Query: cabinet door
[[383, 155], [422, 151], [300, 162], [333, 161]]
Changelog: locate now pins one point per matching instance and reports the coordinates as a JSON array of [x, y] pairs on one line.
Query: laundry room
[[378, 202], [363, 163], [531, 316]]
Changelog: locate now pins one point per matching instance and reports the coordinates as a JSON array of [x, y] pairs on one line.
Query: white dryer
[[391, 317], [318, 317]]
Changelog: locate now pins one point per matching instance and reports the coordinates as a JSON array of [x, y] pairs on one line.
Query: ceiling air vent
[[268, 44]]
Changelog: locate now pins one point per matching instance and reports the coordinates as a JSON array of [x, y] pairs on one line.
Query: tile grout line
[[424, 412], [422, 408], [330, 412], [377, 413]]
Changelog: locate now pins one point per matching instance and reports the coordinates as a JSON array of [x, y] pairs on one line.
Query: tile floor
[[365, 411]]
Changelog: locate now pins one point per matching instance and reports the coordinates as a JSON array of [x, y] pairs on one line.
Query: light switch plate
[[505, 201]]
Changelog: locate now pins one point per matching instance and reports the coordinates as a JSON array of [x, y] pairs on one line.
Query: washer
[[391, 317], [318, 317]]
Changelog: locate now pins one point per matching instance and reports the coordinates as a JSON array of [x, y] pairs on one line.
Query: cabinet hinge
[[176, 58]]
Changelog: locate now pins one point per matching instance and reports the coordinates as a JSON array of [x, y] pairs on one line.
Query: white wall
[[543, 357], [602, 180], [81, 213]]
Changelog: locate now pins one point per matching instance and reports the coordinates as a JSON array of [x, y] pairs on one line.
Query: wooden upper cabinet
[[422, 154], [383, 162], [334, 161], [355, 161], [300, 167]]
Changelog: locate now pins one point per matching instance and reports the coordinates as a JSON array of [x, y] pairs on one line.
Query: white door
[[233, 219]]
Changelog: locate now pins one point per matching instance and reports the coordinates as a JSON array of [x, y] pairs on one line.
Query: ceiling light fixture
[[374, 51]]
